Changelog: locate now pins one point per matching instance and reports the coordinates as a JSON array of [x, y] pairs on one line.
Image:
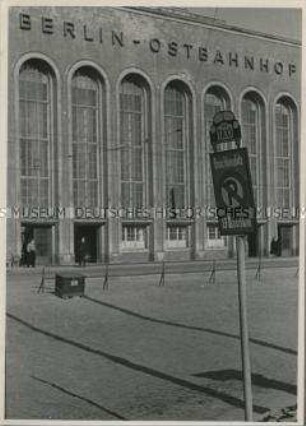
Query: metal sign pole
[[245, 353], [234, 193]]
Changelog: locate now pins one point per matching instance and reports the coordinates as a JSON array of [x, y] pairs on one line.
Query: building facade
[[109, 117]]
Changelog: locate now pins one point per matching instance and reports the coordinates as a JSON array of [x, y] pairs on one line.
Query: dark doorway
[[90, 234], [42, 236], [253, 243], [285, 240]]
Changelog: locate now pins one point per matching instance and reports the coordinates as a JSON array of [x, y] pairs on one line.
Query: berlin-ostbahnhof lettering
[[190, 51]]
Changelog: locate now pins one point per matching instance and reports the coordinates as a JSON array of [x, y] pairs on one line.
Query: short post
[[161, 282], [212, 276], [105, 282], [245, 353], [258, 270], [41, 288]]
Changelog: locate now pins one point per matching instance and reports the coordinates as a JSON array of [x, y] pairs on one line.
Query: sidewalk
[[145, 352], [152, 268]]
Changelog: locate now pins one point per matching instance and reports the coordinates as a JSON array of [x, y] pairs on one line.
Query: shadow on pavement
[[257, 379], [191, 327], [236, 402], [60, 388]]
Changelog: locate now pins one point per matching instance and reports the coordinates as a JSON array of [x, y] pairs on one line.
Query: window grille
[[35, 135], [213, 103], [176, 146], [251, 134], [132, 135], [213, 233], [284, 139], [85, 136], [134, 237], [177, 236], [214, 239]]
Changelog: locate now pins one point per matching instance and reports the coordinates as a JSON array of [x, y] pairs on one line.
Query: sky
[[283, 22]]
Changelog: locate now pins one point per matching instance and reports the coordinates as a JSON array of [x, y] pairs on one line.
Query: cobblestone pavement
[[142, 352]]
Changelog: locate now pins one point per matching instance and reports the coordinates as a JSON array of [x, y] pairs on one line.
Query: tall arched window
[[132, 141], [36, 133], [177, 142], [253, 136], [177, 112], [285, 122], [134, 156], [215, 100], [86, 98]]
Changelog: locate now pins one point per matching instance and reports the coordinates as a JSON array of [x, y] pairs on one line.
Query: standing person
[[24, 255], [31, 254], [82, 252], [279, 246], [273, 249]]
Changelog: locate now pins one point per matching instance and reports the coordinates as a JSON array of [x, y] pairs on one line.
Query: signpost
[[236, 216]]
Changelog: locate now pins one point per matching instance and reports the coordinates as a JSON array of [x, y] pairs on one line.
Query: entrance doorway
[[90, 235], [285, 239], [254, 241], [42, 237], [253, 244]]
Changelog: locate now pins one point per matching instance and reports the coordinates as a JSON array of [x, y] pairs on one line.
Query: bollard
[[162, 276], [41, 288], [212, 277], [105, 282], [258, 270]]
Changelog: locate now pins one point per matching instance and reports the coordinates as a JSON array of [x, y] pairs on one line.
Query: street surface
[[138, 351]]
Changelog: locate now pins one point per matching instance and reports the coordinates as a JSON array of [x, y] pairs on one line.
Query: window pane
[[132, 141], [251, 137], [85, 97], [213, 103], [35, 134], [284, 128], [176, 143]]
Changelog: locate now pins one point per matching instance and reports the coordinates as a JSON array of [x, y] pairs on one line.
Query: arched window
[[177, 143], [253, 137], [134, 156], [177, 122], [285, 122], [215, 100], [35, 133], [86, 98], [132, 140]]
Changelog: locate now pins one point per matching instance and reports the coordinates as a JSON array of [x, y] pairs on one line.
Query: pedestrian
[[24, 255], [279, 246], [82, 252], [273, 247], [31, 254]]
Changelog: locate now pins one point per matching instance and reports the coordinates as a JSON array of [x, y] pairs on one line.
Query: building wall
[[117, 42]]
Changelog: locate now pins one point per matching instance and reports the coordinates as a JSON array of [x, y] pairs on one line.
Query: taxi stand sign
[[233, 192], [236, 216]]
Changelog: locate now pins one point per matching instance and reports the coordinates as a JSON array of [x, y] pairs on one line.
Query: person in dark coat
[[279, 246], [31, 254], [273, 247], [82, 252]]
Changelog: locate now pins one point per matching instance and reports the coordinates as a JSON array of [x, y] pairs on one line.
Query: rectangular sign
[[233, 190]]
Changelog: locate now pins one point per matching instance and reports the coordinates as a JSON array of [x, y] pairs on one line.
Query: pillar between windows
[[13, 239], [65, 238]]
